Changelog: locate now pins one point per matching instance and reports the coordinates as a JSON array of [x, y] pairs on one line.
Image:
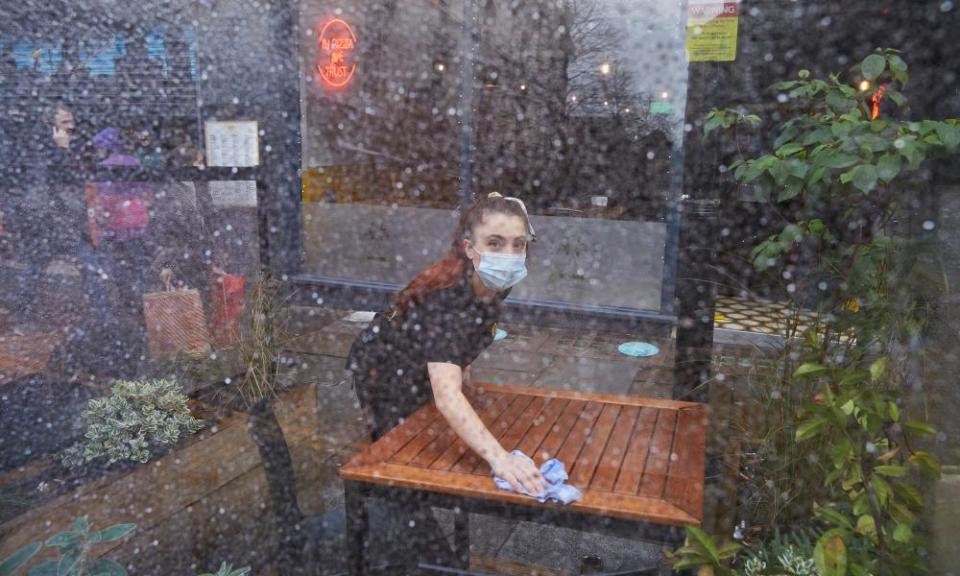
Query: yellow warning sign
[[712, 30]]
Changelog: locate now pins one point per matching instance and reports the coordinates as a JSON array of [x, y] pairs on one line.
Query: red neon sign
[[335, 60]]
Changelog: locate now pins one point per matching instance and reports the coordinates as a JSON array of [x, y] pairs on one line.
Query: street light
[[605, 68], [664, 94]]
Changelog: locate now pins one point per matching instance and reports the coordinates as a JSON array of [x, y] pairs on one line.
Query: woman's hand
[[519, 472]]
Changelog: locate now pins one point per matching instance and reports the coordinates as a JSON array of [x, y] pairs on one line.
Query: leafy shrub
[[137, 417]]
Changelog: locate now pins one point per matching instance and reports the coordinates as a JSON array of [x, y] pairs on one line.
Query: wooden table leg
[[357, 527], [461, 537]]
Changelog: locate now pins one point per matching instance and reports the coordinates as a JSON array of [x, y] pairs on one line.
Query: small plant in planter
[[74, 548], [129, 425]]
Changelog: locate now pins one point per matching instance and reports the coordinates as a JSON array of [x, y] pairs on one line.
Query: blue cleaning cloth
[[556, 477]]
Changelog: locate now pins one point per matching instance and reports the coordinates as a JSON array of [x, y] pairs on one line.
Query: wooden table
[[638, 461]]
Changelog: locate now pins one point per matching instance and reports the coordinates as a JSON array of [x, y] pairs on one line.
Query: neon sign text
[[335, 59]]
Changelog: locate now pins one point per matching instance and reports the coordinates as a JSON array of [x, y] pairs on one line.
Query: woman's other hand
[[519, 472]]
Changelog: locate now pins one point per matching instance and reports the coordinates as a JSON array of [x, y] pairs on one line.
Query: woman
[[422, 347]]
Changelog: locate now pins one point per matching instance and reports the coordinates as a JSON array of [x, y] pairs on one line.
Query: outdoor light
[[441, 67], [865, 85], [523, 86], [605, 68], [664, 94]]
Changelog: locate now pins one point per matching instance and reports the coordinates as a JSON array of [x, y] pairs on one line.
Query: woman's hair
[[447, 271]]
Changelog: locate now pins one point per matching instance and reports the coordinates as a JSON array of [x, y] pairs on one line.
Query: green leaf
[[789, 149], [878, 368], [107, 567], [927, 463], [68, 561], [949, 135], [48, 568], [882, 488], [839, 102], [81, 524], [873, 66], [714, 122], [728, 551], [894, 411], [788, 133], [898, 68], [818, 136], [830, 554], [810, 428], [889, 167], [891, 470], [897, 97], [809, 368], [919, 427], [861, 504], [706, 541], [909, 495], [833, 516], [866, 525], [17, 560], [903, 533], [864, 177], [687, 563], [873, 142], [832, 159], [803, 74], [64, 539], [117, 532], [790, 191]]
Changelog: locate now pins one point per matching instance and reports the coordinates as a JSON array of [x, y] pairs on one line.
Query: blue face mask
[[501, 271]]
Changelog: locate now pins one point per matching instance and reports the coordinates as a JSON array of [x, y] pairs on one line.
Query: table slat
[[469, 461], [655, 472], [631, 471], [394, 440], [559, 432], [456, 450], [542, 426], [685, 477], [608, 468], [579, 433], [582, 470], [516, 431], [432, 451], [420, 441]]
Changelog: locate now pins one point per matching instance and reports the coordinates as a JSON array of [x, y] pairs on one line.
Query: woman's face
[[497, 232]]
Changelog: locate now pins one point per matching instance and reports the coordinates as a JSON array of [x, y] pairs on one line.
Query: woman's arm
[[446, 380]]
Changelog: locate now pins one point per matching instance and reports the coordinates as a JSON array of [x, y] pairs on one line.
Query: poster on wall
[[712, 30], [232, 144]]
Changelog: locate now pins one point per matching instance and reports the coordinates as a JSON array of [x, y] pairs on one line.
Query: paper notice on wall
[[232, 144], [233, 193], [712, 30]]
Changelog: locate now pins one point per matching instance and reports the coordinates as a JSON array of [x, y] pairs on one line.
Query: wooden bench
[[638, 461]]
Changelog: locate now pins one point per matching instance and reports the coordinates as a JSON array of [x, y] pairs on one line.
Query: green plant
[[137, 417], [13, 563], [787, 554], [702, 550], [838, 175], [227, 570], [74, 548]]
